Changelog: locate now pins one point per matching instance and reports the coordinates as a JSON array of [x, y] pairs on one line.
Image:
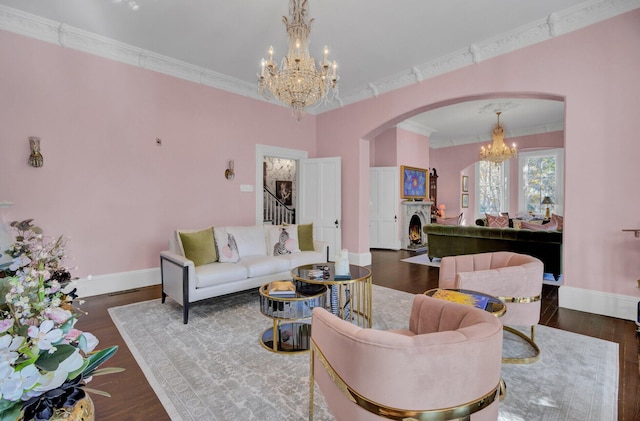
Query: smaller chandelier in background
[[298, 82], [498, 152]]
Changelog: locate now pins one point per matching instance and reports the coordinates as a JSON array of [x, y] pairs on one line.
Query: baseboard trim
[[598, 302], [360, 259], [116, 282]]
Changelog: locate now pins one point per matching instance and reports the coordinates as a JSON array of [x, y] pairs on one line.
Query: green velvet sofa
[[450, 240]]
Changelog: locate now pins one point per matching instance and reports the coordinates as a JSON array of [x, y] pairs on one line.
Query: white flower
[[8, 347], [92, 341], [45, 335], [58, 314], [14, 386], [53, 379]]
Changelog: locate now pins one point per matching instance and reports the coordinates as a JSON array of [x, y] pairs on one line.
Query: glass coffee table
[[291, 316], [350, 297]]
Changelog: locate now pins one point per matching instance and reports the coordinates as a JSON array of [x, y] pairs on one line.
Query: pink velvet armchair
[[446, 365], [514, 278]]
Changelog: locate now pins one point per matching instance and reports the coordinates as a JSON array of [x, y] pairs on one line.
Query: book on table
[[466, 298], [285, 289]]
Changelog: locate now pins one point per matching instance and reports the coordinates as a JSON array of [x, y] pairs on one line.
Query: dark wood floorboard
[[133, 399]]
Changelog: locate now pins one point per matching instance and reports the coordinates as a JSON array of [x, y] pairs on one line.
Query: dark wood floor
[[133, 399]]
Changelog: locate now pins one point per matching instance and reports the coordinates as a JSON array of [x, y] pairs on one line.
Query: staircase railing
[[275, 211]]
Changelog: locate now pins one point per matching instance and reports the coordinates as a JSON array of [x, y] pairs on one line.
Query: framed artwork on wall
[[465, 183], [414, 183], [284, 191], [465, 200]]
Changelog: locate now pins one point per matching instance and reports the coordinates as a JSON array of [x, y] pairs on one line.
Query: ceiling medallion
[[298, 82]]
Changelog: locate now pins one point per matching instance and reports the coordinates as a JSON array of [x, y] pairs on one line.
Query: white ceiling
[[373, 41]]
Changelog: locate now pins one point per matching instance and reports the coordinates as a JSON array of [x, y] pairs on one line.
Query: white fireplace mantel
[[423, 211]]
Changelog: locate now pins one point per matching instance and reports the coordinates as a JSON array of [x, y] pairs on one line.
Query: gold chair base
[[530, 341]]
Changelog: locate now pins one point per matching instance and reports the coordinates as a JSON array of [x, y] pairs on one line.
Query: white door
[[383, 215], [319, 195]]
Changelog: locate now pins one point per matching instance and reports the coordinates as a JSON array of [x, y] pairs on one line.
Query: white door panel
[[320, 190]]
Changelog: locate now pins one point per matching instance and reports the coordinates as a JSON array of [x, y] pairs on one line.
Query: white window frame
[[504, 200], [558, 153]]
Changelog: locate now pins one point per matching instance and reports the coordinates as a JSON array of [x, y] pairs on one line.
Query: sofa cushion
[[283, 239], [249, 240], [551, 226], [305, 237], [219, 273], [559, 221], [227, 246], [264, 265], [198, 246], [303, 258]]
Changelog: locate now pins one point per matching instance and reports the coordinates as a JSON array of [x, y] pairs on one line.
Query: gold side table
[[291, 315], [350, 297]]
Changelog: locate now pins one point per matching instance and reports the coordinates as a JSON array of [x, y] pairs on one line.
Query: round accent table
[[291, 316], [350, 296]]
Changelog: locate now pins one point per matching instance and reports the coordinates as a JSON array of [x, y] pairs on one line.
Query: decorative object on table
[[282, 289], [298, 83], [498, 152], [465, 183], [229, 173], [45, 362], [465, 200], [342, 263], [547, 201], [441, 210], [35, 159], [414, 183]]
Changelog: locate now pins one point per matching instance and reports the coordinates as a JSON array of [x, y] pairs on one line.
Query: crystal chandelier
[[298, 82], [498, 152]]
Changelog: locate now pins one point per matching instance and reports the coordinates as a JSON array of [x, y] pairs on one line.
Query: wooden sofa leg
[[164, 297], [186, 313]]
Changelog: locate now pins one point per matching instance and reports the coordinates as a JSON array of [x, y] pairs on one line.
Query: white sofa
[[186, 282]]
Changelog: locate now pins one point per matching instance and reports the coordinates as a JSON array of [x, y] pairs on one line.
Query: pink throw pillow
[[559, 220], [497, 221], [551, 226]]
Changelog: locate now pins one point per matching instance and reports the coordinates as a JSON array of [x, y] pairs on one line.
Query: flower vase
[[83, 410]]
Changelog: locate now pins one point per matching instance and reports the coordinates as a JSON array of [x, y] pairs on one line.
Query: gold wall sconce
[[35, 159], [228, 173]]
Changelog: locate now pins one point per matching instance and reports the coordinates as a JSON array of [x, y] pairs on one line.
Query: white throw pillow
[[283, 240], [227, 247], [249, 239]]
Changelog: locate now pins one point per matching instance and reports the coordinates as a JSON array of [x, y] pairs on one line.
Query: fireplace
[[415, 215], [415, 231]]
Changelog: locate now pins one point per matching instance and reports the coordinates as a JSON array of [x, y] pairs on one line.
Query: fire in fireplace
[[415, 236]]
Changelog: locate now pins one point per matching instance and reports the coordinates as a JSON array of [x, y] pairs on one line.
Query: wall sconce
[[35, 159], [228, 173]]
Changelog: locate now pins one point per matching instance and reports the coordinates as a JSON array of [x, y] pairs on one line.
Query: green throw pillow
[[305, 237], [199, 246]]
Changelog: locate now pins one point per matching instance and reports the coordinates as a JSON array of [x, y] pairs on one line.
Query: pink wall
[[104, 182], [395, 147], [600, 155], [454, 161], [384, 150], [118, 196]]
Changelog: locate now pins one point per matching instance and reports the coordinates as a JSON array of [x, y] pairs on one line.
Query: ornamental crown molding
[[555, 24]]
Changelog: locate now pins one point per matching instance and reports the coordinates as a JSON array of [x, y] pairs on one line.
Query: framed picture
[[414, 182], [284, 191], [465, 200], [465, 183]]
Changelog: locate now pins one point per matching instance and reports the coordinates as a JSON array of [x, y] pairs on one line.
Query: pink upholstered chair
[[447, 361], [514, 278]]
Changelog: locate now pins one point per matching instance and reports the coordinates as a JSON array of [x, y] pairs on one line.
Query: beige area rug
[[423, 259], [214, 368]]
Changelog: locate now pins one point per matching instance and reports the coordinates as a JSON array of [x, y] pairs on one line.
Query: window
[[541, 174], [492, 187]]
